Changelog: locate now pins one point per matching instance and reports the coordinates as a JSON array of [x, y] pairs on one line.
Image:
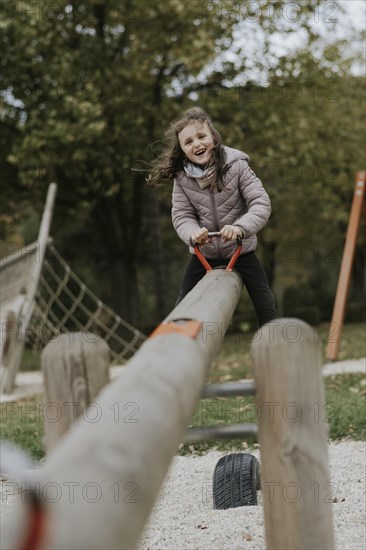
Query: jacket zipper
[[214, 210], [215, 217]]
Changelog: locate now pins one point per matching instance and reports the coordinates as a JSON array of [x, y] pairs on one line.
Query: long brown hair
[[171, 160]]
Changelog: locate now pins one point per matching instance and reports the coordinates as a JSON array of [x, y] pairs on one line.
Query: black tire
[[235, 481]]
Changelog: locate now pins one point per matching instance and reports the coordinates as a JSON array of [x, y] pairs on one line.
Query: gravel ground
[[184, 519], [183, 516]]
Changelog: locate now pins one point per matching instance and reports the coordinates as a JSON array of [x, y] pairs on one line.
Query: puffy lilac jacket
[[243, 202]]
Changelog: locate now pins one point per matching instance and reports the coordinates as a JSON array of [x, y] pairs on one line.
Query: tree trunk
[[124, 288], [158, 256], [121, 258]]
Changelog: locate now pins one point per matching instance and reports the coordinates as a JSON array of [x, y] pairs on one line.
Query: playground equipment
[[127, 456], [65, 304], [41, 297], [75, 369], [19, 276], [236, 476], [339, 309], [235, 256], [117, 461]]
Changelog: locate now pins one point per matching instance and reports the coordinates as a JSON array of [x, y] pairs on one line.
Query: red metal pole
[[346, 268], [235, 256], [202, 259]]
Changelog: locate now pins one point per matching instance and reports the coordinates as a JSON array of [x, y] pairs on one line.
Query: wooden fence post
[[75, 368], [293, 437]]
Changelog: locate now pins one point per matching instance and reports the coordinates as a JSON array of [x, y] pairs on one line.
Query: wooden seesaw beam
[[117, 462], [100, 482]]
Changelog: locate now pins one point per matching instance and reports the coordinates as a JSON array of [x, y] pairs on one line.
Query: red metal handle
[[202, 259], [233, 259]]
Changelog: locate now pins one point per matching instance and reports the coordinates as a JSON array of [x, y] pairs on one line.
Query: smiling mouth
[[200, 153]]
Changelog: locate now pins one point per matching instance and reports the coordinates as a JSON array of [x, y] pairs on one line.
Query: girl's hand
[[200, 236], [231, 233]]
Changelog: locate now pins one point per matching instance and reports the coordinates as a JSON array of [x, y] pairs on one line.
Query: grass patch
[[345, 410], [31, 360], [352, 343], [345, 394], [22, 422], [346, 405]]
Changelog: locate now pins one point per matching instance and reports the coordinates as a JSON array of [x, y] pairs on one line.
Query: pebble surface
[[184, 518]]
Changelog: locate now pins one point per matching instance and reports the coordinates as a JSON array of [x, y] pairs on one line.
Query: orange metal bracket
[[191, 328], [229, 266]]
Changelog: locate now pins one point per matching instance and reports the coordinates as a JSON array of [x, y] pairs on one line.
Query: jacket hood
[[232, 155], [194, 171]]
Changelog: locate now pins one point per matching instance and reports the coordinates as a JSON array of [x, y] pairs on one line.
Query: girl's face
[[196, 142]]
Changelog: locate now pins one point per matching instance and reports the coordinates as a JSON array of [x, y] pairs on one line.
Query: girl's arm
[[257, 201], [184, 215]]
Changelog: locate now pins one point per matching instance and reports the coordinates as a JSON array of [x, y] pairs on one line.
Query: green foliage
[[305, 134], [88, 89], [90, 86]]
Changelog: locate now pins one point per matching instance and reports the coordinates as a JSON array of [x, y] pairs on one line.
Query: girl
[[215, 190]]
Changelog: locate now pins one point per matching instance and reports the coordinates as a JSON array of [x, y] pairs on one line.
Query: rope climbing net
[[63, 303]]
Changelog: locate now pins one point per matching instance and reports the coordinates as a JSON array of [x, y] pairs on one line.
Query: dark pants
[[253, 276]]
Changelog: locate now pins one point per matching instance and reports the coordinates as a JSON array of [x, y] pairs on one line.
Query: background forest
[[88, 89]]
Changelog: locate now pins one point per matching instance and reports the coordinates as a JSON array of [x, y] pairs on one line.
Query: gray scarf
[[204, 175]]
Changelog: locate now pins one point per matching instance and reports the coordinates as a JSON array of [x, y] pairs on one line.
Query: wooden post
[[15, 272], [346, 267], [27, 301], [75, 368], [117, 464], [42, 241], [292, 437]]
